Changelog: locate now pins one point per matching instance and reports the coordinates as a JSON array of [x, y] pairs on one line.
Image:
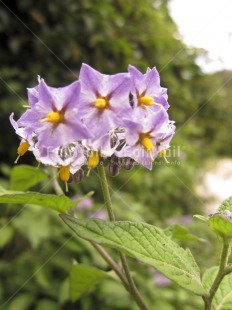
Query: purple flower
[[105, 145], [68, 158], [28, 141], [104, 100], [69, 155], [55, 117], [102, 147], [143, 140], [146, 92], [100, 116]]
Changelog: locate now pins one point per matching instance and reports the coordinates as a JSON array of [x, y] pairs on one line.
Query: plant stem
[[106, 193], [223, 270], [55, 183], [112, 264], [100, 250]]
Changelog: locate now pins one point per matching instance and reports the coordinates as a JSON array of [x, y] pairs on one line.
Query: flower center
[[53, 117], [65, 175], [146, 142], [146, 100], [22, 149], [93, 161], [101, 103]]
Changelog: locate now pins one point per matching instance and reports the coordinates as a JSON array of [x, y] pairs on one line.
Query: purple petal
[[132, 131], [135, 75], [31, 118], [152, 80], [33, 96], [161, 100], [91, 80], [155, 121], [138, 153], [54, 135], [66, 98], [45, 97], [100, 122]]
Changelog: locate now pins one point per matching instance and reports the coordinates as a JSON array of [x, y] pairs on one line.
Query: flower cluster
[[119, 119]]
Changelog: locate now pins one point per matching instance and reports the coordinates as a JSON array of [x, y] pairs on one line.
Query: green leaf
[[24, 177], [27, 224], [6, 235], [146, 243], [226, 205], [201, 217], [221, 223], [82, 278], [223, 297], [47, 304], [21, 301], [181, 233], [58, 203]]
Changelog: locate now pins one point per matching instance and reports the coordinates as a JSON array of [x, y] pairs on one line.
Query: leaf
[[146, 243], [21, 301], [226, 205], [223, 297], [181, 233], [36, 232], [82, 278], [201, 217], [24, 177], [6, 235], [58, 203], [47, 304], [221, 224]]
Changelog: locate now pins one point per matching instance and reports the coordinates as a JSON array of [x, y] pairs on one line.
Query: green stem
[[106, 193], [223, 270], [112, 264], [55, 183], [100, 250]]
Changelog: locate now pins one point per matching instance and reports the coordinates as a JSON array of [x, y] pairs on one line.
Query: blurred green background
[[52, 39]]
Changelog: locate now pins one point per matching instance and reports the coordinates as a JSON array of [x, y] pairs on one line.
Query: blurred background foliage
[[52, 39]]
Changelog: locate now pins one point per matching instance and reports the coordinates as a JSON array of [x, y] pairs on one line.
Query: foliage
[[222, 300], [53, 39], [146, 243]]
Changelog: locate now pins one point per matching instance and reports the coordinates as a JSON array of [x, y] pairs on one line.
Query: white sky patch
[[206, 24]]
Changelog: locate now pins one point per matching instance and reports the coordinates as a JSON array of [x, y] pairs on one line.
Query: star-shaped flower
[[146, 92], [143, 140], [104, 100], [55, 117]]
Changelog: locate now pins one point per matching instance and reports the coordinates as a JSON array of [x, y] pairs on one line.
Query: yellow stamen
[[146, 100], [26, 106], [101, 103], [163, 154], [93, 161], [65, 175], [53, 117], [22, 149], [147, 144]]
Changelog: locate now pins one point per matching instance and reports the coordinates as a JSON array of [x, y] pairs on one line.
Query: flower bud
[[114, 166], [127, 163], [78, 176]]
